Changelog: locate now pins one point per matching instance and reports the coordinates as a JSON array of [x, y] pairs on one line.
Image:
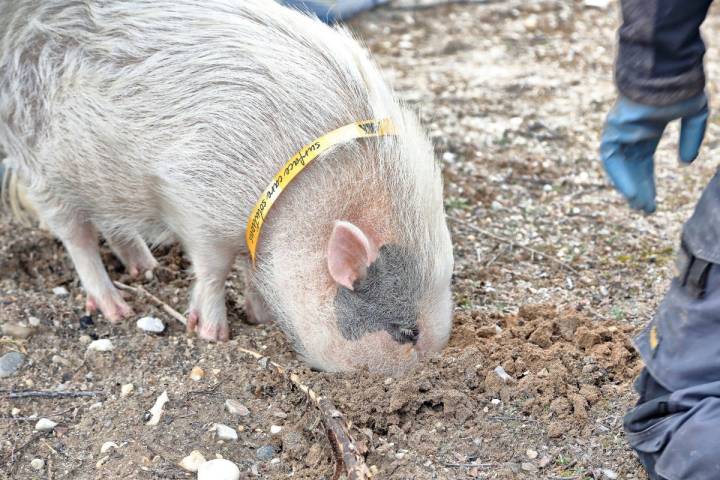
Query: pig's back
[[138, 111]]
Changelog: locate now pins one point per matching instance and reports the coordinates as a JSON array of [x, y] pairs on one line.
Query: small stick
[[336, 427], [46, 394], [513, 243], [141, 291]]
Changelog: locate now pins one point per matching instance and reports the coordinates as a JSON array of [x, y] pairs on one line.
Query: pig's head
[[361, 279]]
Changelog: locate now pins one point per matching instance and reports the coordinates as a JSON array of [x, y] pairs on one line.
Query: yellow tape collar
[[308, 153]]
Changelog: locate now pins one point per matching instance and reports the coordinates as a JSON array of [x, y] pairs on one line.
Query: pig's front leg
[[208, 315], [81, 242], [134, 254]]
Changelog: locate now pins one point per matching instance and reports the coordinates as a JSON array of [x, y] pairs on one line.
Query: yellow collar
[[308, 153]]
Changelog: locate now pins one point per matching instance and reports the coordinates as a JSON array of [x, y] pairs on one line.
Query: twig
[[513, 243], [141, 291], [46, 394], [470, 465], [337, 428]]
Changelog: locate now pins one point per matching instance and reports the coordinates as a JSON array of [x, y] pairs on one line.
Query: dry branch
[[167, 308], [10, 394], [513, 243], [348, 458]]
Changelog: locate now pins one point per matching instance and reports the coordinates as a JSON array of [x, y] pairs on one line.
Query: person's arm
[[660, 54], [660, 76]]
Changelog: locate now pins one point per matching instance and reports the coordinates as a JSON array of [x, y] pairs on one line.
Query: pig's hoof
[[214, 332], [113, 307]]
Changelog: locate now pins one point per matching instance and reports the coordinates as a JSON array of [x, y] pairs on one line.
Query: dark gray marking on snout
[[386, 299]]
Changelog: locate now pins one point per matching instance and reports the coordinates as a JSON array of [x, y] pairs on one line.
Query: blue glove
[[331, 11], [631, 135]]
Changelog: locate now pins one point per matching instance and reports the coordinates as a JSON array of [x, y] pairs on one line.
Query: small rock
[[279, 414], [45, 425], [218, 469], [223, 432], [275, 429], [34, 321], [60, 292], [601, 4], [157, 410], [495, 401], [95, 406], [16, 331], [610, 474], [107, 446], [531, 454], [57, 359], [86, 321], [101, 345], [265, 453], [236, 408], [15, 412], [544, 461], [528, 467], [500, 372], [37, 463], [151, 324], [585, 338], [127, 389], [85, 339], [196, 374], [192, 462], [10, 363]]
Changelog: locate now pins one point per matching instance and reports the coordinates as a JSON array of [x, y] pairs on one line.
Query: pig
[[149, 122]]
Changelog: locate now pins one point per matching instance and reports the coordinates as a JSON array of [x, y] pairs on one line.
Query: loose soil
[[513, 95]]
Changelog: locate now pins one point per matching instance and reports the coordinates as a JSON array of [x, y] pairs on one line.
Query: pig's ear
[[350, 253]]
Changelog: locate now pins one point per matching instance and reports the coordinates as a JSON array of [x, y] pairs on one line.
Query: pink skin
[[208, 316], [81, 242], [135, 255]]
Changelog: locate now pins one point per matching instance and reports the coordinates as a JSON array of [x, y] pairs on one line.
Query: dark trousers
[[675, 427]]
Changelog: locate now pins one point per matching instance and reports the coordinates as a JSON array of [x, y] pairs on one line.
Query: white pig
[[148, 121]]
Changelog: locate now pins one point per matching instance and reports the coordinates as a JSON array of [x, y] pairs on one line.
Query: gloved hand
[[631, 135]]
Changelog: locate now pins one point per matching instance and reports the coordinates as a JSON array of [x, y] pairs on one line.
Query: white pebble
[[218, 469], [60, 291], [127, 389], [107, 446], [236, 408], [224, 432], [37, 463], [192, 462], [275, 429], [532, 454], [151, 324], [495, 401], [157, 410], [101, 345], [15, 412], [45, 425], [500, 372], [34, 321], [609, 473], [85, 339]]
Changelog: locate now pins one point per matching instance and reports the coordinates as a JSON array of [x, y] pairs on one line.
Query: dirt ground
[[513, 94]]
